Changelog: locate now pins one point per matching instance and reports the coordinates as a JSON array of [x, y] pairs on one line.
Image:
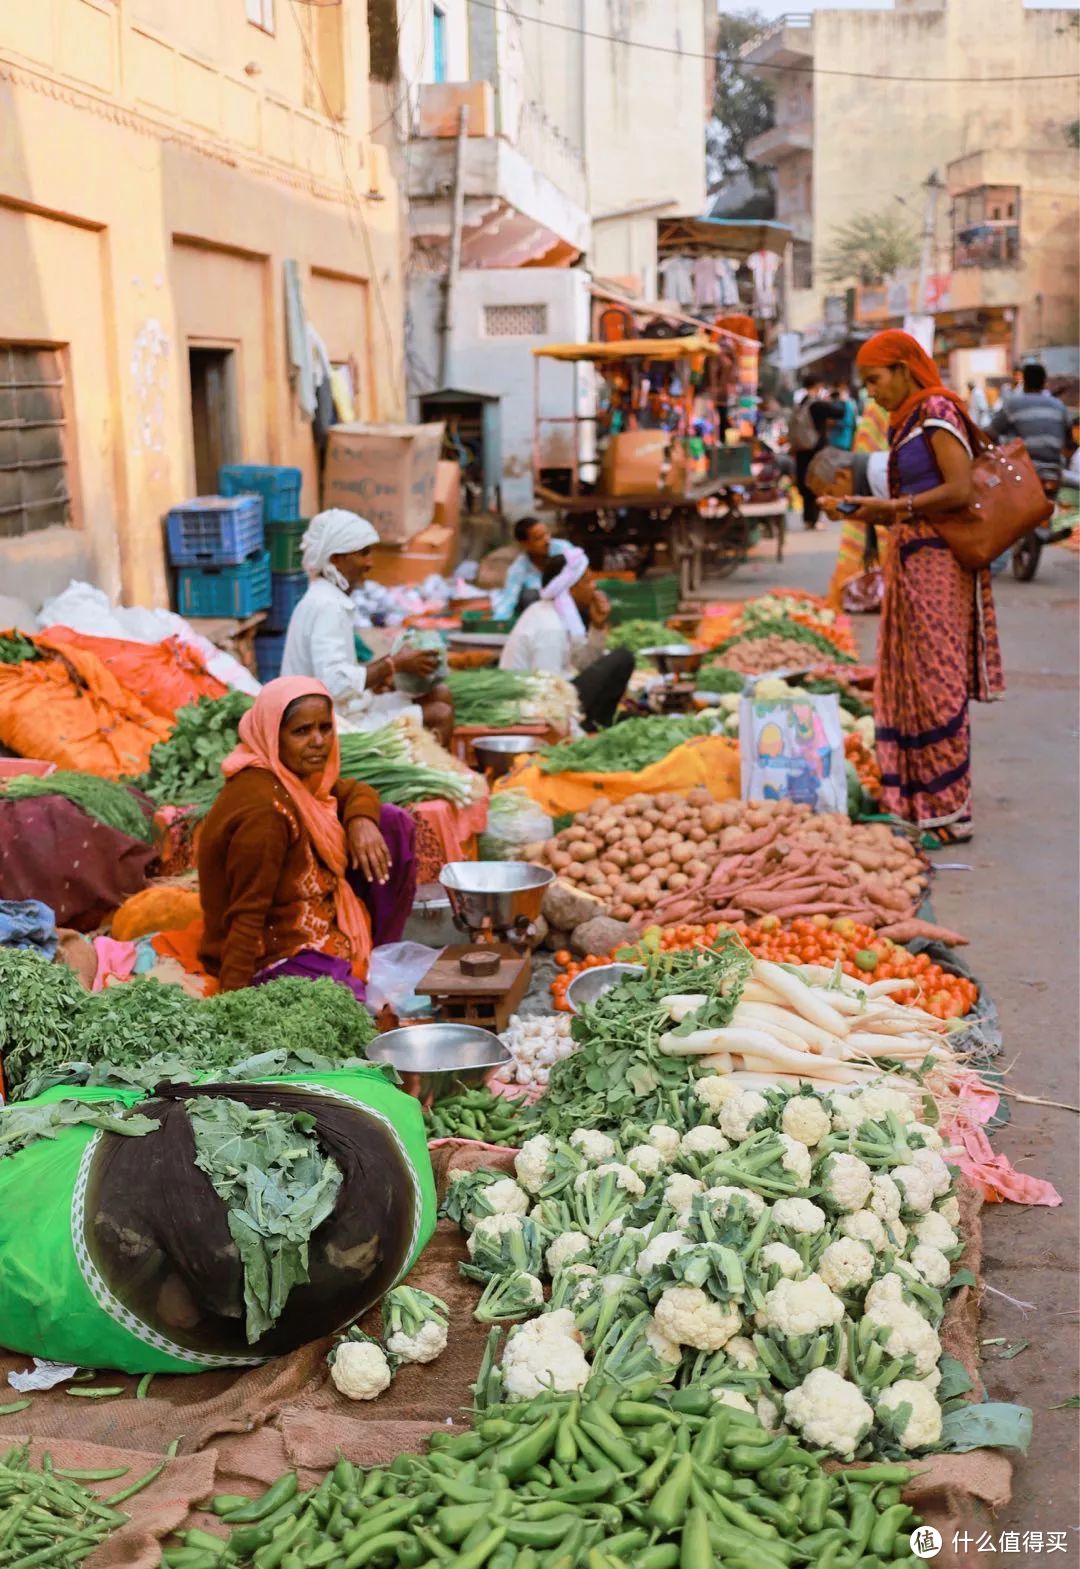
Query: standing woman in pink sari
[[938, 648]]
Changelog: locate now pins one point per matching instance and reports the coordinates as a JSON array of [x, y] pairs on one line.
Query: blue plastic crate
[[217, 531], [279, 487], [269, 650], [238, 590], [288, 589]]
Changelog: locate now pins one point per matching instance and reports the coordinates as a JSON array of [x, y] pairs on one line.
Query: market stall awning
[[734, 237], [629, 349]]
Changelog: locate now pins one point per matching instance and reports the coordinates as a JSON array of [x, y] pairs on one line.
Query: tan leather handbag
[[1007, 502]]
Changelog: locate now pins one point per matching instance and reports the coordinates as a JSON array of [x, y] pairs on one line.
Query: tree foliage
[[742, 108], [871, 247]]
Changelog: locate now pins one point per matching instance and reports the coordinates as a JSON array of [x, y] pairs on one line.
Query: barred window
[[34, 489], [515, 321]]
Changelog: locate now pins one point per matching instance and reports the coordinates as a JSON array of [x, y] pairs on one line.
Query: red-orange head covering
[[260, 747], [894, 347]]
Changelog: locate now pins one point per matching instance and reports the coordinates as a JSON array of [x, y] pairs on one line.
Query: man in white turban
[[565, 634], [336, 554]]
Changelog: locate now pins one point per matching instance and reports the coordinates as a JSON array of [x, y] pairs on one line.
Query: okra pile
[[638, 1477], [49, 1517]]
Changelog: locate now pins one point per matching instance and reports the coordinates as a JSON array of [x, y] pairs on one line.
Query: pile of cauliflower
[[792, 1251], [775, 687]]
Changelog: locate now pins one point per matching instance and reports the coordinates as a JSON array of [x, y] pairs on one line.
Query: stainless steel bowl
[[675, 659], [497, 754], [495, 895], [431, 920], [591, 984], [436, 1060]]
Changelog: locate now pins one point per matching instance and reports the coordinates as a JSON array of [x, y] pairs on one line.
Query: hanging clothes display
[[764, 266], [677, 279]]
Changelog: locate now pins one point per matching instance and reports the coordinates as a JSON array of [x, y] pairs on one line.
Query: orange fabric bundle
[[158, 909], [68, 709], [165, 676], [705, 760]]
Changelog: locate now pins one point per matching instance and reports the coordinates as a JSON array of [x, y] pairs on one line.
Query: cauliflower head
[[733, 1398], [741, 1353], [360, 1370], [664, 1139], [721, 1198], [885, 1197], [931, 1264], [738, 1112], [916, 1188], [428, 1343], [659, 1250], [877, 1100], [533, 1162], [829, 1411], [688, 1316], [592, 1145], [866, 1227], [933, 1167], [625, 1178], [798, 1215], [492, 1226], [502, 1198], [806, 1119], [645, 1159], [714, 1089], [949, 1209], [934, 1231], [845, 1183], [922, 1427], [703, 1140], [680, 1191], [777, 1255], [909, 1334], [846, 1265], [796, 1158], [567, 1248], [662, 1347], [546, 1353], [801, 1307]]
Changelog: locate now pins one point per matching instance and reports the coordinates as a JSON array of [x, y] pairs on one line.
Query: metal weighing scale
[[497, 903], [677, 664]]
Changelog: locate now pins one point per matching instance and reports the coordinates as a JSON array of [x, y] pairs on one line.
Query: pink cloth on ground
[[993, 1174], [115, 961]]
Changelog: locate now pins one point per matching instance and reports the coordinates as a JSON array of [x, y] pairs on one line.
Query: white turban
[[575, 566], [334, 533]]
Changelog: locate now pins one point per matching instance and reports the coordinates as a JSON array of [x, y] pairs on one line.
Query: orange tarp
[[708, 761]]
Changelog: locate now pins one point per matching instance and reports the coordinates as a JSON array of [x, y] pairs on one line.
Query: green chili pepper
[[479, 1554], [224, 1503], [883, 1535], [692, 1401], [741, 1517], [617, 1450], [587, 1491], [636, 1413], [748, 1457], [870, 1475], [539, 1533], [528, 1450], [665, 1555], [668, 1506], [14, 1406], [815, 1501], [649, 1480], [258, 1508]]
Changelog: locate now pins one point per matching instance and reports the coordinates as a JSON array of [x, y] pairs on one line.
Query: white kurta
[[320, 643], [539, 642]]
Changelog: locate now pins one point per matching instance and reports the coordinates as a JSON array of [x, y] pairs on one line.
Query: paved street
[[1018, 904]]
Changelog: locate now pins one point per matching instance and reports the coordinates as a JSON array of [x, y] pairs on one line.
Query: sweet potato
[[907, 931]]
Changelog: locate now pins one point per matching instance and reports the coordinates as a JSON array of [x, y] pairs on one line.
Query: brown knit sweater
[[265, 894]]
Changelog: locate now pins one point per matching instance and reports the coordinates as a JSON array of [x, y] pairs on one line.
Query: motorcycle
[[1027, 551]]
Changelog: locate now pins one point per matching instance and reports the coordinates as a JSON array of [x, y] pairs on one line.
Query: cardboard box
[[386, 473], [440, 103], [448, 495], [632, 462], [395, 567]]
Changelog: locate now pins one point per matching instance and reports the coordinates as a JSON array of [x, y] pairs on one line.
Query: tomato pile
[[815, 941], [865, 764]]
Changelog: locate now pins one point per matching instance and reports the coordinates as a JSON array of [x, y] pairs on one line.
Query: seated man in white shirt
[[526, 570], [565, 633], [320, 640]]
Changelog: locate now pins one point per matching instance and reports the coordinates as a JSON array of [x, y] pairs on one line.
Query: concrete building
[[585, 127], [160, 162], [929, 90]]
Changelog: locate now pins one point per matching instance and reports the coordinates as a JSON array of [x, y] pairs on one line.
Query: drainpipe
[[453, 266]]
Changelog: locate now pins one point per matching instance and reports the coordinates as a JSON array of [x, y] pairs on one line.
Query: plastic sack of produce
[[792, 749], [165, 676], [514, 820], [227, 1224], [68, 709], [427, 642]]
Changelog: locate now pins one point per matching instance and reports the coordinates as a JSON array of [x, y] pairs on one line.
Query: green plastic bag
[[66, 1298]]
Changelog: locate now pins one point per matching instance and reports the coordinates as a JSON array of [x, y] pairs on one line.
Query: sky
[[773, 8]]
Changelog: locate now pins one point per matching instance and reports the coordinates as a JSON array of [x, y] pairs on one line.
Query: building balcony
[[782, 141], [984, 288], [787, 41]]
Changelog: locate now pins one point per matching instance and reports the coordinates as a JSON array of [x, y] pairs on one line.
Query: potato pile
[[633, 854], [677, 860], [758, 655]]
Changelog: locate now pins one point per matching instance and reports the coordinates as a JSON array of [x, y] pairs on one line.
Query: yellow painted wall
[[161, 160]]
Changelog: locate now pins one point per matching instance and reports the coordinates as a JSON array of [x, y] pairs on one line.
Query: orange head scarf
[[894, 347], [260, 747]]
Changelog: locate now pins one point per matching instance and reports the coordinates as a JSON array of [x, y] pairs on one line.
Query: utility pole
[[933, 187], [453, 265]]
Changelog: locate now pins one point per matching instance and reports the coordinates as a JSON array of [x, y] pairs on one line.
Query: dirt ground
[[1018, 904]]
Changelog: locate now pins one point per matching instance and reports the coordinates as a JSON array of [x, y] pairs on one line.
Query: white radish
[[776, 1056], [799, 996], [786, 1020], [719, 1062], [681, 1007]]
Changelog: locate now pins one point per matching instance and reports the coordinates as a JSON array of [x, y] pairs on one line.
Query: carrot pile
[[862, 952]]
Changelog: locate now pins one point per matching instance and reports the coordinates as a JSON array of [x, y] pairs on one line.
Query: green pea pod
[[668, 1505], [883, 1536]]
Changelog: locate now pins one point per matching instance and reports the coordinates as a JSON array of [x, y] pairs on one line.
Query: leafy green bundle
[[715, 678], [489, 697], [618, 1073], [46, 1019], [183, 768], [103, 799], [637, 635], [16, 649], [268, 1170], [626, 747]]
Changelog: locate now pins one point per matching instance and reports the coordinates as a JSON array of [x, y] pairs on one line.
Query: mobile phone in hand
[[846, 509]]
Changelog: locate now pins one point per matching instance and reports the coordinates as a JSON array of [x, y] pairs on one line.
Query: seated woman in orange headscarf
[[301, 872], [938, 647]]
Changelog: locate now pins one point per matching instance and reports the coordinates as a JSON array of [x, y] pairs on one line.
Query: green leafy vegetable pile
[[268, 1170], [639, 634], [714, 678], [186, 769], [382, 759], [489, 697], [850, 701], [22, 1125], [47, 1019], [625, 748], [103, 799], [16, 649], [618, 1073]]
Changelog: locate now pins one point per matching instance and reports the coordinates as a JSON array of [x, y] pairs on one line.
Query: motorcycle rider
[[1044, 425]]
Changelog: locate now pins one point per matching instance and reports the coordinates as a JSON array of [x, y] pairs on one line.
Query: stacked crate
[[217, 545], [279, 491]]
